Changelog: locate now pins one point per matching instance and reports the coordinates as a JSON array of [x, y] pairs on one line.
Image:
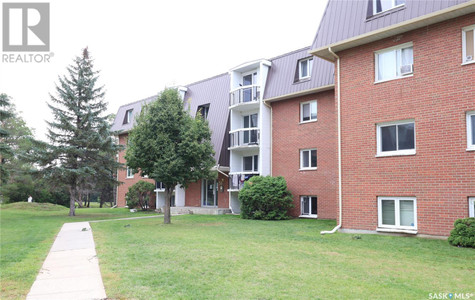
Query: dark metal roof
[[344, 19], [283, 74], [136, 108], [215, 92]]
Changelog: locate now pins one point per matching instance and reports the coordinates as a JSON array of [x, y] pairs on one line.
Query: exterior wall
[[441, 175], [289, 136], [193, 193], [122, 176]]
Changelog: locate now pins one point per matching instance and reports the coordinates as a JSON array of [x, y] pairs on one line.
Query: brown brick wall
[[289, 136], [193, 193], [441, 175]]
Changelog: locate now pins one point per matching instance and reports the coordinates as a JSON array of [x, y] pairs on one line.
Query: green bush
[[463, 233], [139, 195], [265, 198]]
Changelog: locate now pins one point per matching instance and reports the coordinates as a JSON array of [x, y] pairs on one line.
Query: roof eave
[[425, 20], [300, 93]]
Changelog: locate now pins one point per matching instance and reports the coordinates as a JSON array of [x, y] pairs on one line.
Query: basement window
[[471, 207], [397, 213]]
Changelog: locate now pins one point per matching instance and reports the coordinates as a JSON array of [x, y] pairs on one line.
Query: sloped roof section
[[283, 75], [136, 107], [345, 19], [215, 92]]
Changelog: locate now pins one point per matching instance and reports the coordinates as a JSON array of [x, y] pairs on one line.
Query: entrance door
[[209, 193]]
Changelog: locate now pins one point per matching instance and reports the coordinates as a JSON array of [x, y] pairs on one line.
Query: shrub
[[139, 195], [463, 233], [265, 198]]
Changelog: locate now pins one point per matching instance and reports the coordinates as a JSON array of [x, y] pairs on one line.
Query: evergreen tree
[[169, 146], [5, 149], [81, 147]]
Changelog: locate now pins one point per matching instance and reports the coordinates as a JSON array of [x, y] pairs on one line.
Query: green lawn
[[27, 232], [225, 257]]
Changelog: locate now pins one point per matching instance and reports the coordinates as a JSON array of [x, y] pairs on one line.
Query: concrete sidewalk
[[71, 269]]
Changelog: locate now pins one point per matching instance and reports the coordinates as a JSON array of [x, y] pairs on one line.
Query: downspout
[[271, 127], [339, 144]]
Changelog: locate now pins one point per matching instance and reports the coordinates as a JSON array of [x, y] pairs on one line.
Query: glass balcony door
[[209, 193], [250, 136], [248, 80]]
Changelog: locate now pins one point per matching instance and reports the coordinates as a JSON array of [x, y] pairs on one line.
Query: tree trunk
[[88, 200], [72, 201], [166, 209]]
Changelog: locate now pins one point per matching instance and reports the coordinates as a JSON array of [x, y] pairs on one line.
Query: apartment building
[[406, 99]]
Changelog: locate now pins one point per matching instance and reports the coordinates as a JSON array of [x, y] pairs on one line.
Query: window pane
[[314, 158], [246, 122], [387, 65], [388, 212], [247, 80], [386, 4], [306, 112], [247, 163], [303, 68], [399, 2], [310, 67], [254, 120], [314, 205], [406, 208], [405, 136], [256, 162], [472, 118], [469, 50], [305, 159], [388, 138], [407, 56], [305, 205], [313, 110]]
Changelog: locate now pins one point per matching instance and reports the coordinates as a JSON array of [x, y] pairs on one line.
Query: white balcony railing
[[244, 137], [236, 181], [244, 94]]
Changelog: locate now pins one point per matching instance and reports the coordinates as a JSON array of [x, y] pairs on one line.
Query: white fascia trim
[[451, 12], [300, 93], [245, 65]]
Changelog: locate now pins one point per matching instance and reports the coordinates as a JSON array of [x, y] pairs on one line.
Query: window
[[250, 136], [468, 44], [130, 173], [159, 185], [305, 68], [308, 111], [308, 206], [396, 138], [203, 110], [394, 62], [250, 163], [471, 207], [128, 116], [471, 130], [397, 212], [308, 159], [383, 5]]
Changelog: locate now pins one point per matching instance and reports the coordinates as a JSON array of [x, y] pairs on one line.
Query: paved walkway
[[71, 269]]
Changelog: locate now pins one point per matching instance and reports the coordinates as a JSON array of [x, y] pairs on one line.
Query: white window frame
[[470, 143], [464, 45], [309, 159], [128, 116], [399, 49], [471, 210], [392, 7], [310, 215], [316, 112], [397, 212], [309, 61], [379, 144], [128, 172]]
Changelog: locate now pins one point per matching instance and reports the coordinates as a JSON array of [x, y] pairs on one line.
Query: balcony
[[244, 137], [236, 181], [245, 95]]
